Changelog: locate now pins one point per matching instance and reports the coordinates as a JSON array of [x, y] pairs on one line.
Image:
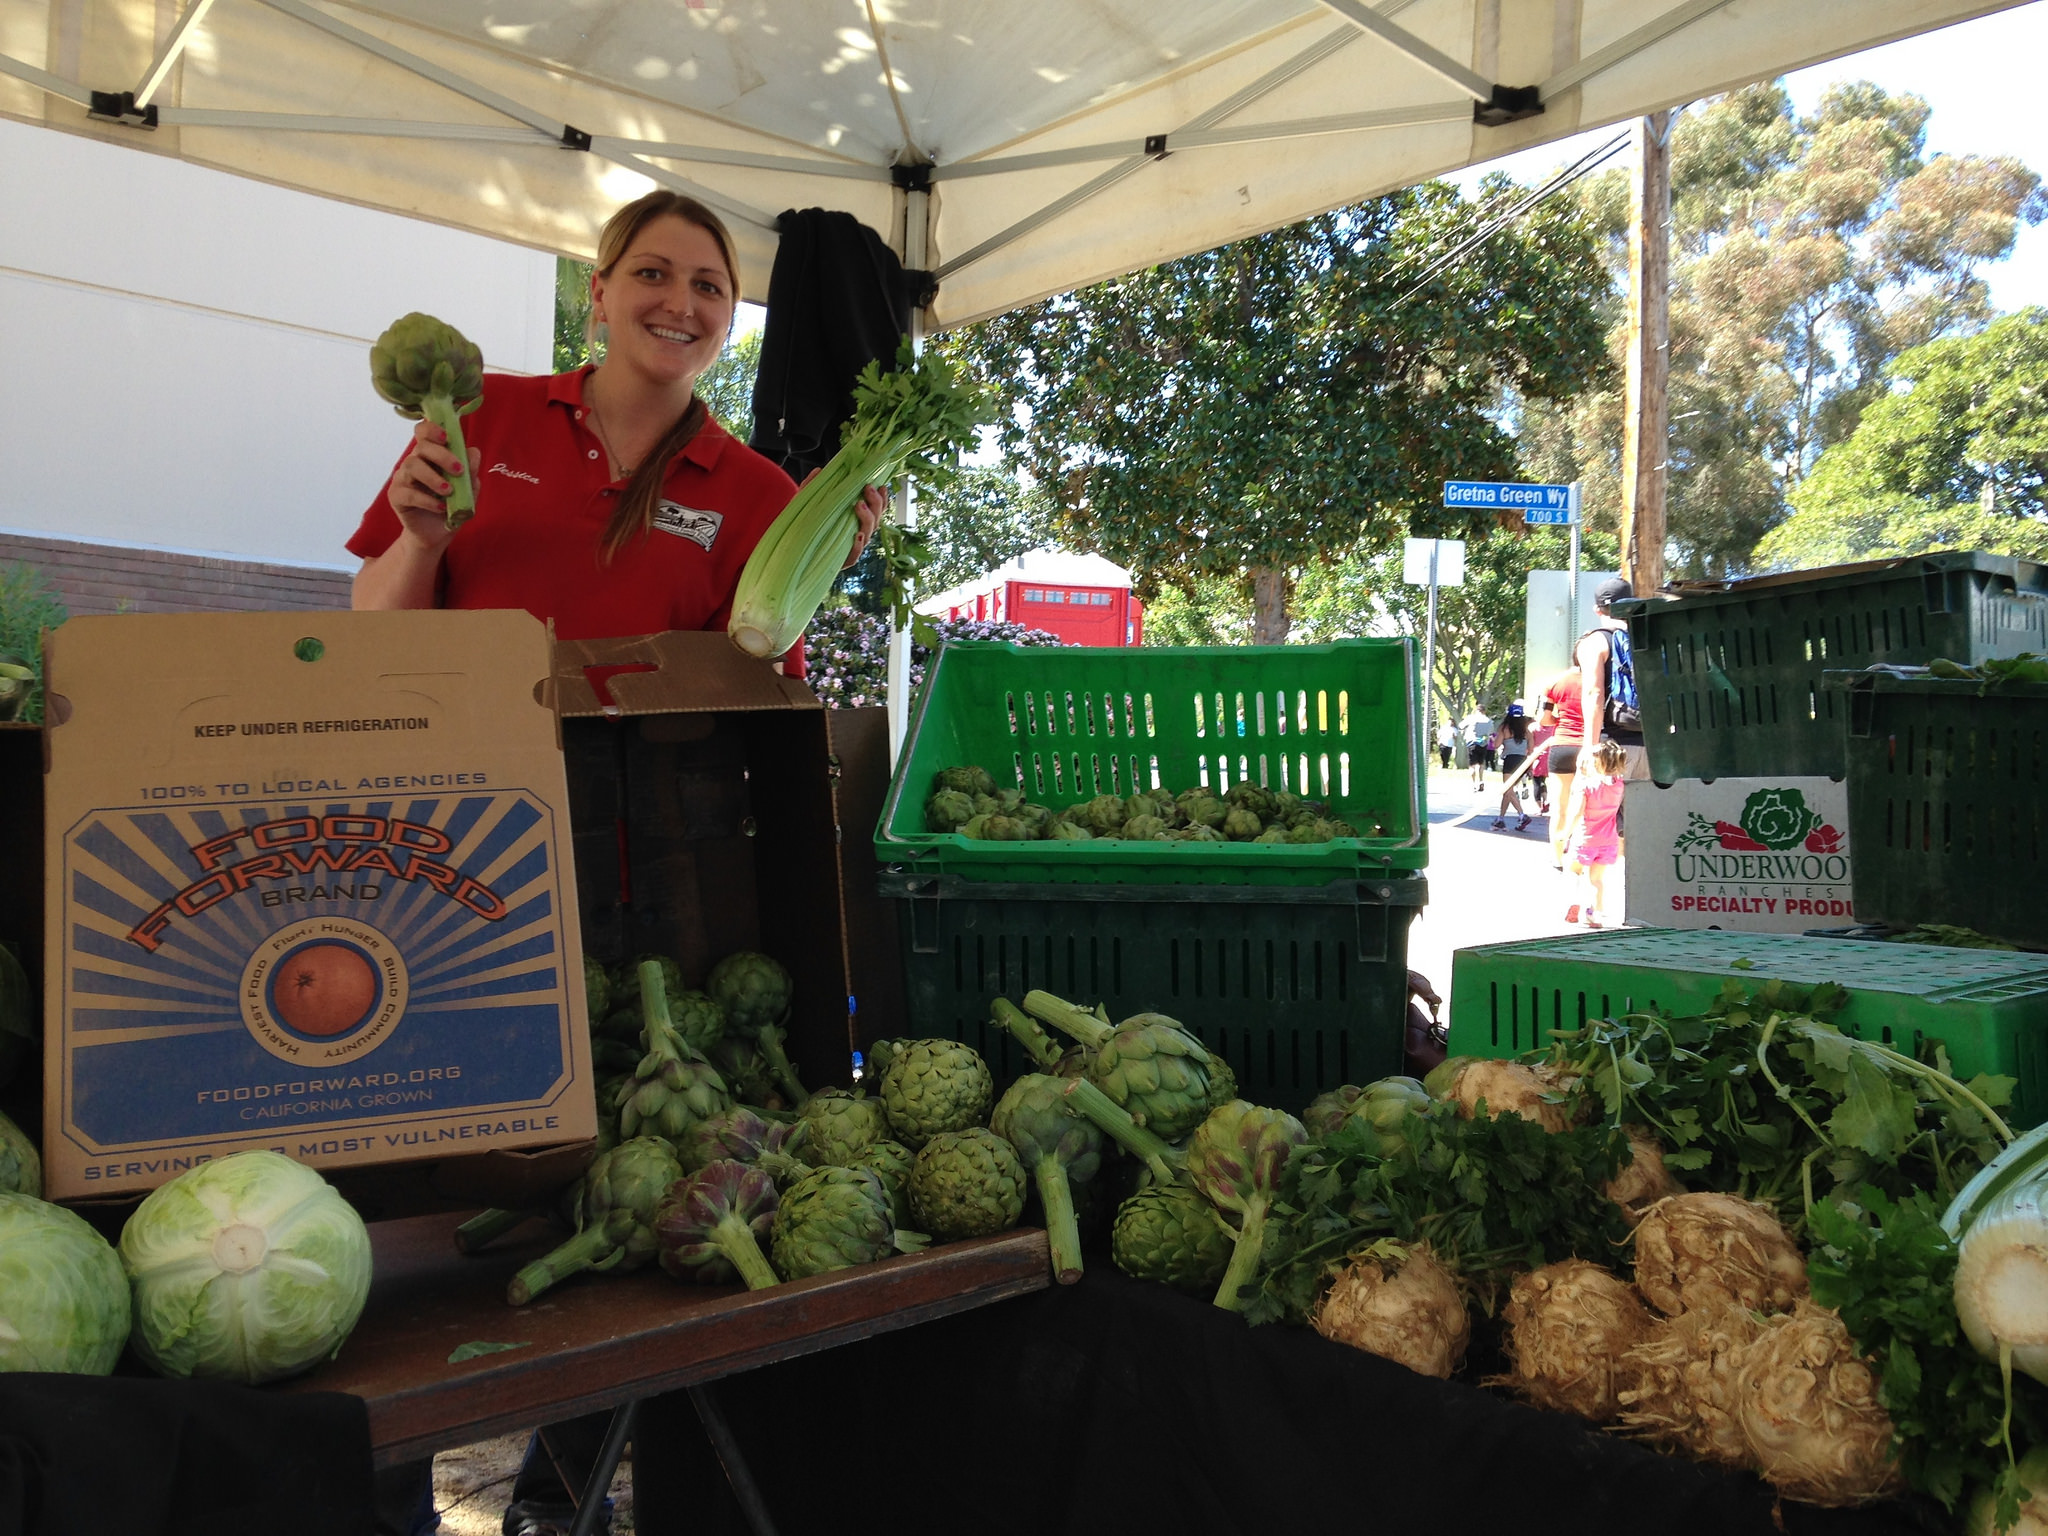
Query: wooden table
[[602, 1341]]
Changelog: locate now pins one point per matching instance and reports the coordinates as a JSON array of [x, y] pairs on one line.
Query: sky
[[1979, 77]]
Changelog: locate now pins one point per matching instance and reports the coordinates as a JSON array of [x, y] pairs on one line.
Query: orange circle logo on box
[[323, 991]]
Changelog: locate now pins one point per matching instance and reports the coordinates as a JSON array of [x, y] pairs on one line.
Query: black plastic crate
[[1731, 678], [1948, 801], [1299, 988]]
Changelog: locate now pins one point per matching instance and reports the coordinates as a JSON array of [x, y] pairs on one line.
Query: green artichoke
[[1235, 1159], [1326, 1111], [1272, 835], [626, 981], [1197, 832], [832, 1218], [1148, 1064], [612, 1094], [1241, 825], [597, 990], [754, 990], [1000, 829], [1105, 813], [1060, 830], [614, 1217], [1060, 1149], [890, 1161], [1386, 1109], [948, 811], [842, 1126], [677, 1087], [425, 367], [1144, 829], [1286, 806], [609, 1057], [1262, 803], [1199, 807], [21, 1170], [711, 1224], [623, 1024], [745, 1071], [966, 1184], [933, 1086], [739, 1135], [968, 781], [698, 1021], [1170, 1234]]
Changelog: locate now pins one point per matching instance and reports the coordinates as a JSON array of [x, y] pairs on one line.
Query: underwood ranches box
[[1760, 855], [308, 890]]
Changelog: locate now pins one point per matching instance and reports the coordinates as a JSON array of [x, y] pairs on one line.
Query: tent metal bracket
[[575, 138], [119, 107]]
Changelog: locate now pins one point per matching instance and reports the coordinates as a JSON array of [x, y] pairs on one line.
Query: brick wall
[[103, 578]]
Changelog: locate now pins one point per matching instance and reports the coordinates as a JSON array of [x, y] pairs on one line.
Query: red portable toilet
[[1084, 599]]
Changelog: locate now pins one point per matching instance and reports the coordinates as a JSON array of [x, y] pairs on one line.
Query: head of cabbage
[[248, 1269], [63, 1298]]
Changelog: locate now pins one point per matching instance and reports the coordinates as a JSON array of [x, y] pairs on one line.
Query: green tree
[[1481, 626], [572, 314], [1955, 456], [1808, 252], [986, 517], [1243, 413]]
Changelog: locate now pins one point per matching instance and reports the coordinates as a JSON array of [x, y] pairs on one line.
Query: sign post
[[1434, 563]]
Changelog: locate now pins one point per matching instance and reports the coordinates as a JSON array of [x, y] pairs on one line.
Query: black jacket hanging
[[838, 300]]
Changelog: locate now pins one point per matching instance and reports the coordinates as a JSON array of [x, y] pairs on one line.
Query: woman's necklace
[[620, 469]]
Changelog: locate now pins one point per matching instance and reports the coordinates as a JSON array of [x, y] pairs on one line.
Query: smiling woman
[[608, 500]]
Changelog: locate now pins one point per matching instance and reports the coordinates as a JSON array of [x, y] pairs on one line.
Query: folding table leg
[[590, 1503], [743, 1487]]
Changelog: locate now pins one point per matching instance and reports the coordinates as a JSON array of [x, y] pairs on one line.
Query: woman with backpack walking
[[1514, 752]]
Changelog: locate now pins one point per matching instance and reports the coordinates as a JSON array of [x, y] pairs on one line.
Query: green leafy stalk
[[1038, 1045], [595, 1247], [486, 1227], [917, 418], [1115, 1122], [736, 1240], [1062, 1226], [1068, 1018]]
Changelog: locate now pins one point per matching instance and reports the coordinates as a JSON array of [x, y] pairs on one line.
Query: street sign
[[1536, 503], [1450, 562]]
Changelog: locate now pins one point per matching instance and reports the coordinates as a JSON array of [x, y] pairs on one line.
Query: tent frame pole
[[917, 245]]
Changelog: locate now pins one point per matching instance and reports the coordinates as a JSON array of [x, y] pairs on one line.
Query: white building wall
[[184, 354]]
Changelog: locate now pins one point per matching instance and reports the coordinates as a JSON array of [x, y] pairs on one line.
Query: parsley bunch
[[1493, 1196], [1762, 1097], [1889, 1269]]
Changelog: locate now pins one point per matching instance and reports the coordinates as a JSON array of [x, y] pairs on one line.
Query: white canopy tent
[[1015, 147]]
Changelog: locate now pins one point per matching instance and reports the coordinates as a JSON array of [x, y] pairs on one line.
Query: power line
[[1585, 164]]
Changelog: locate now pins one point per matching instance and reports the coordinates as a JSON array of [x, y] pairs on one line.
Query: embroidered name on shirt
[[687, 522], [502, 468]]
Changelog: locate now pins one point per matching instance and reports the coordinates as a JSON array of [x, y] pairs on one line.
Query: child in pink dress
[[1593, 827]]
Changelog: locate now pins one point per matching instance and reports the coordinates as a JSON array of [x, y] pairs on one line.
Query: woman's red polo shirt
[[543, 497]]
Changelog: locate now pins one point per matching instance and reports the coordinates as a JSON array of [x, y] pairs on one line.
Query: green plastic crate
[[1300, 988], [1989, 1008], [1948, 801], [1337, 722], [1731, 680]]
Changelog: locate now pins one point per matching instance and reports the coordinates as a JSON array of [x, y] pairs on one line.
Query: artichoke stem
[[736, 1241], [657, 1034], [779, 1066], [1062, 1228], [1038, 1045], [441, 411], [1244, 1259], [486, 1227], [1067, 1018], [1115, 1122], [579, 1253]]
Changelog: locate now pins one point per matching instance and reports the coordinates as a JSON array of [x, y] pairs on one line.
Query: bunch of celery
[[917, 418]]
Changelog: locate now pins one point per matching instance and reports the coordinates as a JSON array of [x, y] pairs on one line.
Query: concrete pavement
[[1485, 887]]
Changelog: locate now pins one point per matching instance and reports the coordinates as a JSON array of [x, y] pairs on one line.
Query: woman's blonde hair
[[1610, 758], [634, 515]]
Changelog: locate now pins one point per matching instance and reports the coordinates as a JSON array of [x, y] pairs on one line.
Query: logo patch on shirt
[[699, 528]]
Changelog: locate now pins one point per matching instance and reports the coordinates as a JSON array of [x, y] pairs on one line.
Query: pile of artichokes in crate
[[969, 802]]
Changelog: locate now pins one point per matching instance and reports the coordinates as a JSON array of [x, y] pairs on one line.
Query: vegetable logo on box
[[1767, 855], [1772, 821], [239, 972]]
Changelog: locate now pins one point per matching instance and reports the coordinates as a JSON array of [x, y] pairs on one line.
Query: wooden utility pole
[[1645, 442]]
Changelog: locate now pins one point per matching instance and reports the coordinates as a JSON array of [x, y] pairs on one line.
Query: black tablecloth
[[116, 1456], [1115, 1406]]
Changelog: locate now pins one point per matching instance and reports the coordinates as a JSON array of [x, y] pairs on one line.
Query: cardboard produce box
[[307, 889], [1765, 855], [706, 798]]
